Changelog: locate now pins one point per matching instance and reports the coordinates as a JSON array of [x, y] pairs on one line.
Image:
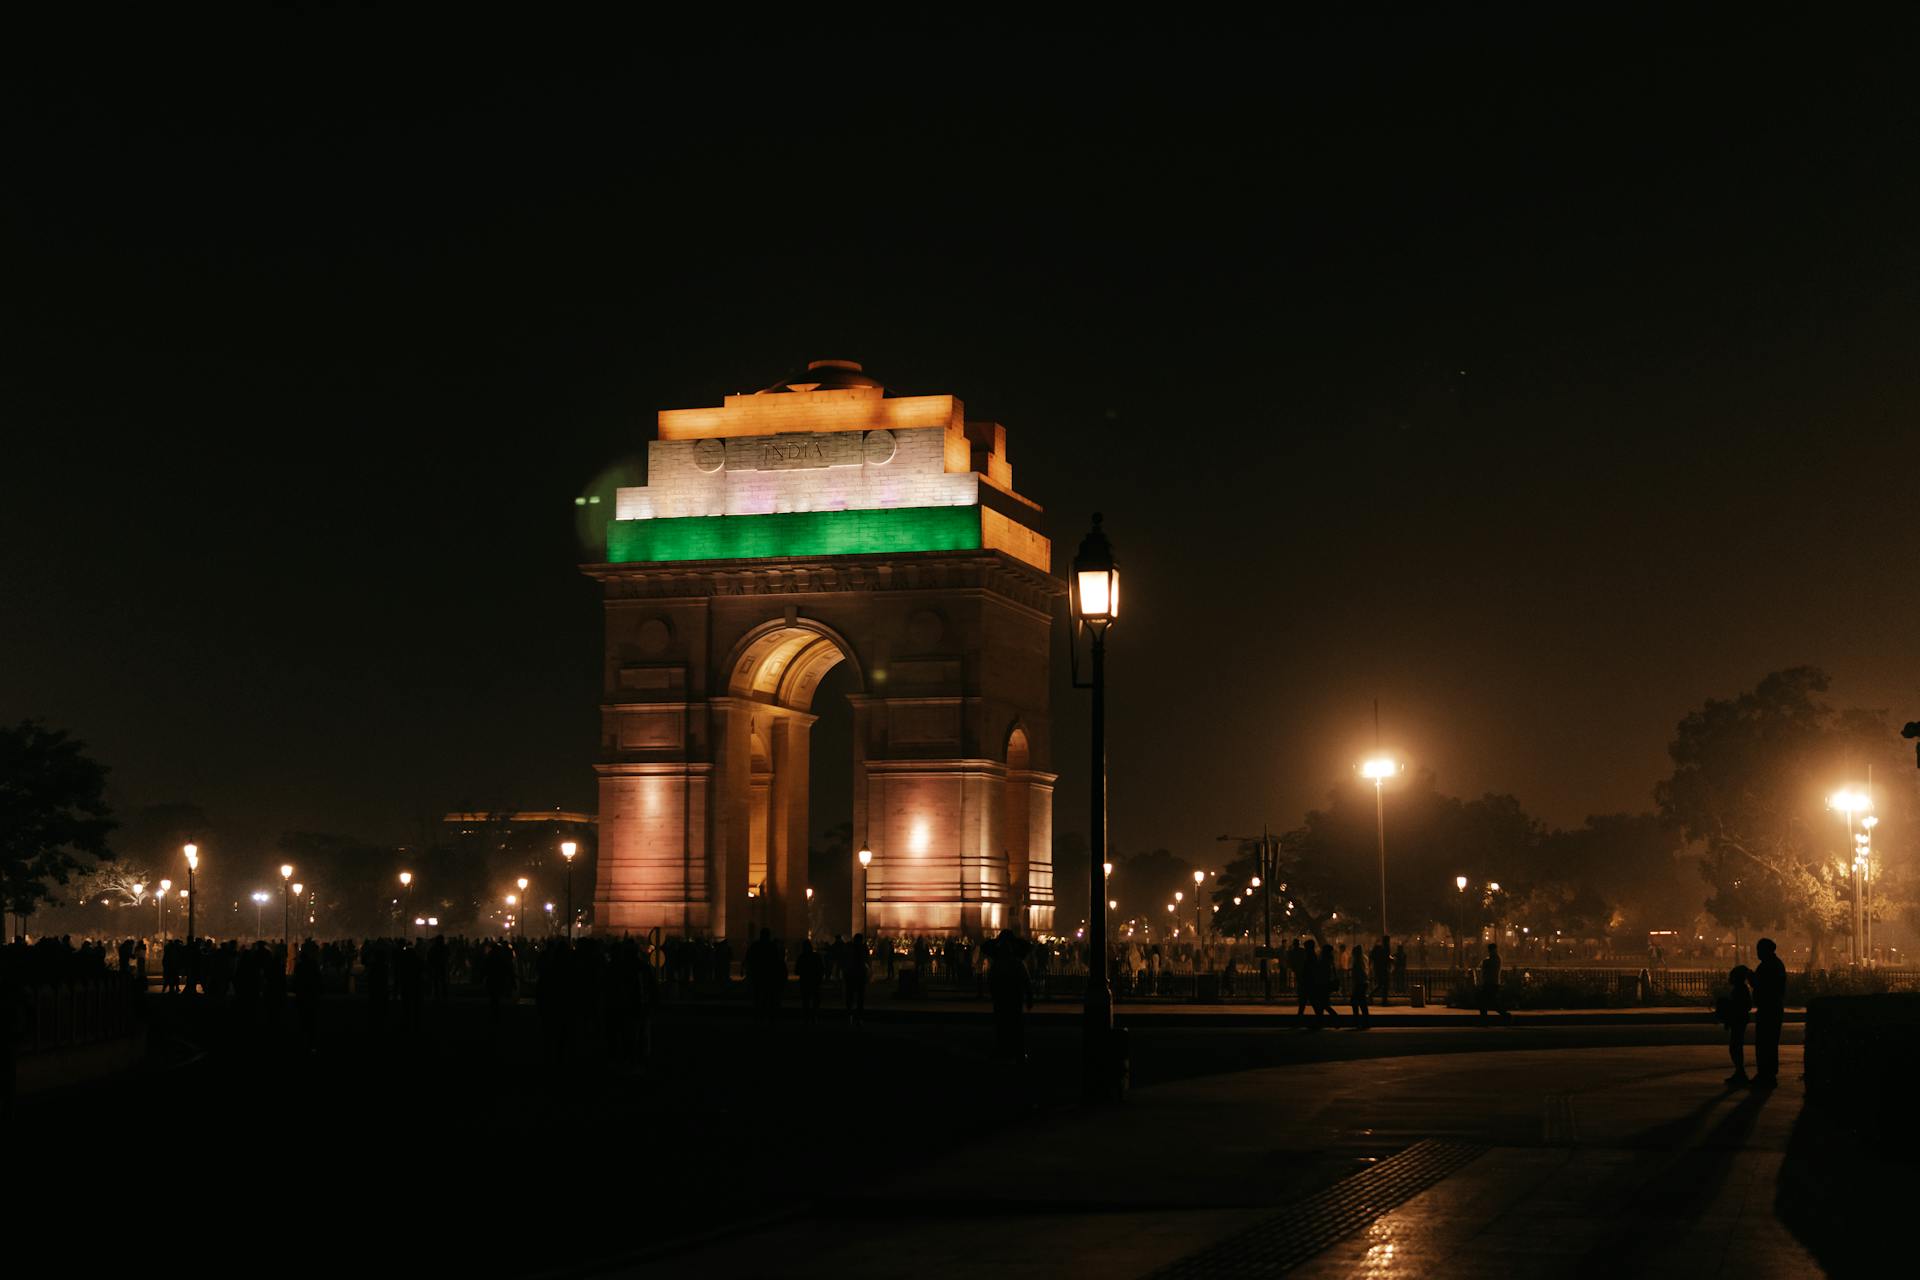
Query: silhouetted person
[[1357, 969], [853, 973], [1770, 1010], [1300, 965], [809, 968], [497, 965], [1490, 985], [1380, 965], [1733, 1010], [1323, 980], [306, 990], [1012, 995]]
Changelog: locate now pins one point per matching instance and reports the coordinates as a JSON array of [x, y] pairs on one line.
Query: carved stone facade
[[712, 665]]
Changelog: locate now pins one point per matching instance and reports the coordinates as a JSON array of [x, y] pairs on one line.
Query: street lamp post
[[286, 909], [520, 917], [1460, 923], [866, 860], [1199, 879], [259, 904], [406, 882], [1866, 874], [160, 907], [567, 849], [193, 863], [1095, 604]]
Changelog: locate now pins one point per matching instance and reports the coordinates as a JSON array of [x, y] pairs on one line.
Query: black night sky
[[1539, 382]]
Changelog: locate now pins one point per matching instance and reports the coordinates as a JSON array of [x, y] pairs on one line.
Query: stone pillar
[[787, 826]]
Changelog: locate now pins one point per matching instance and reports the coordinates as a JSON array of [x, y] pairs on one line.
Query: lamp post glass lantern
[[1094, 601]]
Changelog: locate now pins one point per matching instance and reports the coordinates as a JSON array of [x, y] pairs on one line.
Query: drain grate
[[1299, 1231]]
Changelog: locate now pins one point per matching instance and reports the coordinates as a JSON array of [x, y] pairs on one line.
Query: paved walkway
[[1616, 1161]]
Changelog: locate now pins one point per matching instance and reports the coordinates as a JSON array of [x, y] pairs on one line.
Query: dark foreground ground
[[743, 1147]]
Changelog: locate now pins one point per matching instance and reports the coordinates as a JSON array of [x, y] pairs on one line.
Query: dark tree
[[1750, 780], [54, 817]]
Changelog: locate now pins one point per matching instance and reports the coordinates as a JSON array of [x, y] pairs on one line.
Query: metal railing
[[68, 1014]]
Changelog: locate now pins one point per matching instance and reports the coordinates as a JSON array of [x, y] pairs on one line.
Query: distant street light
[[160, 907], [286, 910], [1460, 922], [567, 849], [259, 902], [193, 863]]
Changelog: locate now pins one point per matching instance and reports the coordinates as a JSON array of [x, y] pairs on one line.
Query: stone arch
[[782, 662]]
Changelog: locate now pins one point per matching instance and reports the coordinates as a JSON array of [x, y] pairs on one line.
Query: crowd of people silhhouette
[[598, 995]]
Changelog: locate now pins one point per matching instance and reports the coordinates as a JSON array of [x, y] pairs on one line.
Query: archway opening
[[800, 812]]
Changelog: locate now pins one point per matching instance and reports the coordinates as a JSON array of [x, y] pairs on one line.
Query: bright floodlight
[[286, 871], [406, 878], [1256, 882], [193, 857], [298, 888], [1460, 883], [512, 900], [166, 885], [139, 889], [1495, 886], [1199, 878], [1378, 768], [522, 882], [1849, 801], [567, 849], [866, 857]]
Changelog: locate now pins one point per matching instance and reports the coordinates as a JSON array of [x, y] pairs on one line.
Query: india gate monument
[[780, 533]]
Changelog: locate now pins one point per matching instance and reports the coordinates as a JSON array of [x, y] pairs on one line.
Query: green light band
[[794, 533]]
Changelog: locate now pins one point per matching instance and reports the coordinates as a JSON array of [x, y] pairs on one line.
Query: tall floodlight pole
[[567, 849], [1378, 770], [1094, 604], [406, 883], [1849, 802]]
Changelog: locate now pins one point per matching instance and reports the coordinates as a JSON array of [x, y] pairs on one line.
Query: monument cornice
[[993, 571]]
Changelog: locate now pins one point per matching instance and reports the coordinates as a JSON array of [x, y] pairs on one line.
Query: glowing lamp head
[[1849, 801], [1096, 580], [809, 893], [1199, 878], [193, 857], [286, 871], [298, 888], [139, 889], [1493, 886], [1113, 904], [406, 878], [866, 857], [1256, 882], [1379, 768], [1178, 896], [1869, 822], [513, 900], [1106, 868], [567, 849], [166, 886], [1460, 883], [1169, 906], [522, 882]]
